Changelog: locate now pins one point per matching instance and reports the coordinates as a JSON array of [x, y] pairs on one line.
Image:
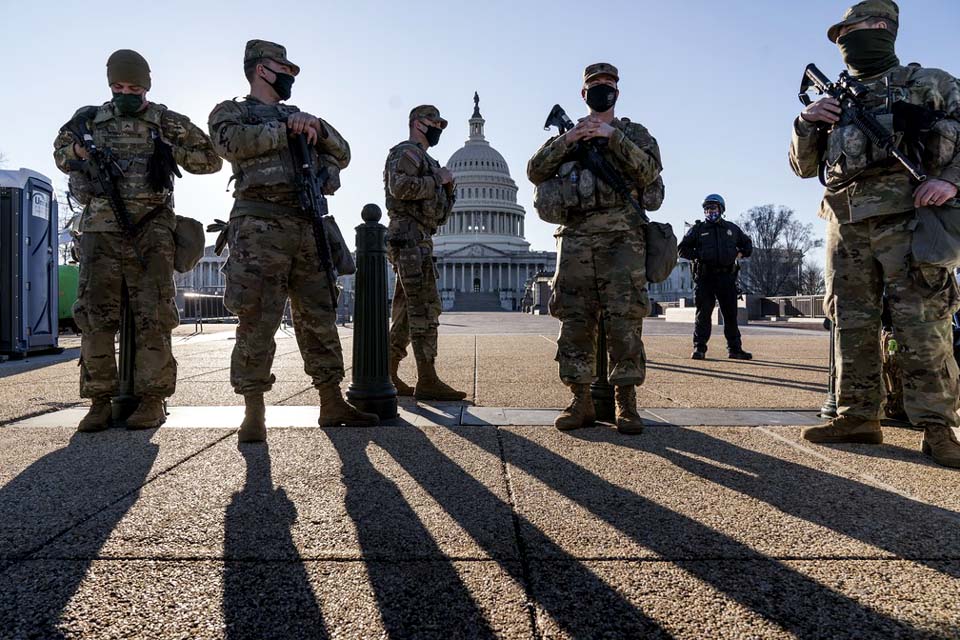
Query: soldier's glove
[[221, 227]]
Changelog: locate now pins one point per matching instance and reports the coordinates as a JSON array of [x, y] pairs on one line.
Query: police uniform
[[713, 247], [870, 213], [141, 144]]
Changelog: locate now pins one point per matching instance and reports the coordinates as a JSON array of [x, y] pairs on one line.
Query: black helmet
[[716, 199]]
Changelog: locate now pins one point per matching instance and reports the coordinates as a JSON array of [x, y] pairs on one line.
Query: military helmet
[[716, 199]]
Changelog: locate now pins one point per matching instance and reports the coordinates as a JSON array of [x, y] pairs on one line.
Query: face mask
[[433, 135], [127, 103], [712, 216], [868, 52], [282, 84], [601, 97]]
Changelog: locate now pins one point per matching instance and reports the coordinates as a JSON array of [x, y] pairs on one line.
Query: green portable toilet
[[69, 275]]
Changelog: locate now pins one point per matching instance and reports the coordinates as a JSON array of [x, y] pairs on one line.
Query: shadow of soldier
[[266, 589], [769, 587], [433, 601], [47, 551]]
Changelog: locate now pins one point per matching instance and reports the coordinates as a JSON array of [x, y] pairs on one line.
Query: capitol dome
[[481, 250]]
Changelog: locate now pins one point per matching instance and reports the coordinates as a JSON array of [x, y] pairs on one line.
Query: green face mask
[[127, 103], [868, 52]]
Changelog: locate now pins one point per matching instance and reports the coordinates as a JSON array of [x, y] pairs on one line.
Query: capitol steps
[[479, 301]]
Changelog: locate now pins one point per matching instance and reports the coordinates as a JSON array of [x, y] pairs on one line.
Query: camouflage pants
[[106, 261], [601, 274], [416, 304], [272, 259], [863, 258]]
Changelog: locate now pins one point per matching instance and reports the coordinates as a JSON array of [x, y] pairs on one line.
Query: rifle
[[587, 152], [103, 170], [314, 202], [850, 93]]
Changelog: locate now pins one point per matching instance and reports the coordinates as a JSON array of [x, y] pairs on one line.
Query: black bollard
[[829, 408], [125, 402], [602, 391], [371, 389]]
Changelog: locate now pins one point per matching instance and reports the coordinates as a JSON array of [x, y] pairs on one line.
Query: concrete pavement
[[464, 521]]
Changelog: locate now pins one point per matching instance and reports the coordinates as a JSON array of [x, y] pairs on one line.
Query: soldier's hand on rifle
[[445, 176], [599, 129], [303, 122], [79, 151], [823, 110], [934, 193]]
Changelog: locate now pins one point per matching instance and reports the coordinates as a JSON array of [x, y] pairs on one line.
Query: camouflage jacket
[[413, 189], [252, 136], [632, 151], [864, 182], [131, 141]]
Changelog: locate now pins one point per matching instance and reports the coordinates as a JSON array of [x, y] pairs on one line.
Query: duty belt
[[718, 269]]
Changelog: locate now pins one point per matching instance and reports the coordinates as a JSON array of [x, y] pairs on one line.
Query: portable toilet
[[28, 263]]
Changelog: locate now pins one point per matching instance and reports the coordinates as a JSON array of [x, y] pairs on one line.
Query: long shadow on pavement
[[52, 496], [583, 605], [775, 591], [266, 589]]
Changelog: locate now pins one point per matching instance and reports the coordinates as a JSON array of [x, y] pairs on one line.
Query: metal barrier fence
[[205, 307], [792, 306]]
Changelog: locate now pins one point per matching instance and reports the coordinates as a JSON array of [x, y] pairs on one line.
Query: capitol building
[[483, 260]]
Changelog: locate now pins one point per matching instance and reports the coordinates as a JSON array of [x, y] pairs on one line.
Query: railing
[[792, 306], [205, 307]]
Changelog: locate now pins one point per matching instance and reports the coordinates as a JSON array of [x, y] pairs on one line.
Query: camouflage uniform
[[601, 261], [417, 204], [869, 209], [107, 257], [272, 251]]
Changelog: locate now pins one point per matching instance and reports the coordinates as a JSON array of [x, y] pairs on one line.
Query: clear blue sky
[[715, 82]]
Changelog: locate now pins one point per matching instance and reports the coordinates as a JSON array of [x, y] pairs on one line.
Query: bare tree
[[780, 244], [3, 160], [811, 280]]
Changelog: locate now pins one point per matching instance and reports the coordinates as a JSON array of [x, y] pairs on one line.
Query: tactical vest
[[131, 141], [430, 212], [272, 169]]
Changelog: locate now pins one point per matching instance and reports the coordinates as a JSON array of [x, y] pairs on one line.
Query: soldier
[[714, 245], [419, 196], [601, 263], [146, 141], [869, 206], [272, 250]]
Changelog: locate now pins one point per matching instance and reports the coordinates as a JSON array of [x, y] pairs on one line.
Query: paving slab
[[55, 479], [278, 416], [695, 493], [506, 416], [762, 599], [373, 493], [239, 600]]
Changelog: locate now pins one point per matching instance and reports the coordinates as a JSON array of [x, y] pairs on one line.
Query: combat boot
[[403, 389], [254, 425], [98, 417], [845, 429], [431, 387], [699, 354], [149, 414], [580, 412], [335, 411], [740, 354], [940, 443], [628, 420]]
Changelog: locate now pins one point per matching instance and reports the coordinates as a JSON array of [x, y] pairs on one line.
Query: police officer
[[714, 245], [870, 206], [146, 141]]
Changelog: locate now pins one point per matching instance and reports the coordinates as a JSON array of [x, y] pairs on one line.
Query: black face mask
[[433, 135], [127, 103], [868, 52], [601, 97], [282, 84]]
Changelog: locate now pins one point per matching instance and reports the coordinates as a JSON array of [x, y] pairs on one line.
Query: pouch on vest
[[653, 195], [188, 241], [340, 254], [936, 236], [661, 251]]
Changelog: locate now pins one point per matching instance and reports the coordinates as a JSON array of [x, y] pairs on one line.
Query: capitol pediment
[[475, 250]]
